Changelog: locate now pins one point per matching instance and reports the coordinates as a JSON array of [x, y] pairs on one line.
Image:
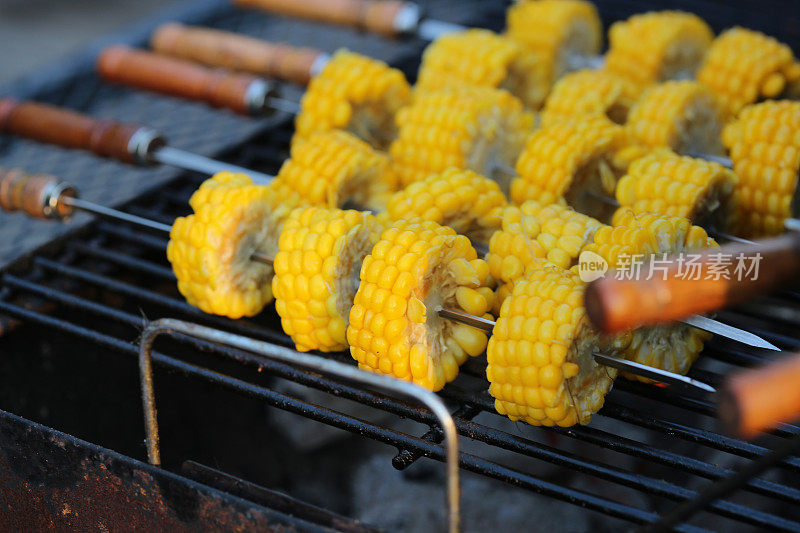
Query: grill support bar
[[171, 326]]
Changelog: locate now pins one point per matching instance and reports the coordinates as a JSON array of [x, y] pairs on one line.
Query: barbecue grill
[[236, 427]]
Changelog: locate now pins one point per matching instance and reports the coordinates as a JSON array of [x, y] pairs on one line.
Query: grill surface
[[84, 298]]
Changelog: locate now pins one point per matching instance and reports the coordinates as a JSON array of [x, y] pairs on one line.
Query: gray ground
[[35, 32]]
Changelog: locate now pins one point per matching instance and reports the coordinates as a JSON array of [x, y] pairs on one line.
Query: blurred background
[[35, 32]]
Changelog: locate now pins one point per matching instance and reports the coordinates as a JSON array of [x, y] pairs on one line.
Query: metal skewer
[[241, 93], [128, 143], [697, 321], [58, 200]]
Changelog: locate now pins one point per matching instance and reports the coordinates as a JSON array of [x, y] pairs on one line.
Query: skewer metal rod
[[447, 313], [168, 155]]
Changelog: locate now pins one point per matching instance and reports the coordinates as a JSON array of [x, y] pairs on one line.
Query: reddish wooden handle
[[615, 305], [757, 400], [37, 195], [377, 16], [176, 77], [228, 50], [49, 124]]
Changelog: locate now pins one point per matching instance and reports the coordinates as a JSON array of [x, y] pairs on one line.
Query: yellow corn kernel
[[681, 115], [743, 66], [558, 32], [467, 202], [764, 144], [638, 239], [666, 183], [590, 92], [335, 169], [211, 250], [657, 46], [537, 374], [353, 93], [430, 346], [475, 128], [321, 251], [482, 58], [573, 160]]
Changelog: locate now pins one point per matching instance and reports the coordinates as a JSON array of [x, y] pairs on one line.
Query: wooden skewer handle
[[176, 77], [49, 124], [759, 399], [377, 16], [615, 305], [37, 195], [236, 52]]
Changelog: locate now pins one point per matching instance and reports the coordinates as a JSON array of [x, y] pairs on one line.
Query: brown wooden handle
[[377, 16], [759, 399], [228, 50], [176, 77], [37, 195], [615, 305], [49, 124]]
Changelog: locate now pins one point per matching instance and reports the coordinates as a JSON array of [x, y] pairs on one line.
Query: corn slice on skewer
[[743, 66], [672, 347], [534, 231], [764, 145], [482, 58], [461, 199], [316, 274], [476, 128], [541, 368], [657, 46], [211, 250], [356, 94], [334, 168], [416, 268], [664, 182], [681, 115], [574, 160], [590, 92], [558, 31]]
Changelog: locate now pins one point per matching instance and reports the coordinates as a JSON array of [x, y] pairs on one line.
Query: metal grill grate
[[95, 286]]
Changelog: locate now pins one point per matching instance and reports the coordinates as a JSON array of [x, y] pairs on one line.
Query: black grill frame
[[115, 258]]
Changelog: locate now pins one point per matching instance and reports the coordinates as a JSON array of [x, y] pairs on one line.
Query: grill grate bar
[[708, 438], [134, 263], [370, 430], [465, 426], [162, 301]]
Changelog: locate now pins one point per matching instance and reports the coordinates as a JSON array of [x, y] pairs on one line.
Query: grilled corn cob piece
[[590, 92], [211, 250], [482, 58], [541, 368], [476, 128], [743, 66], [764, 144], [559, 32], [638, 238], [657, 46], [316, 273], [664, 182], [334, 168], [467, 202], [356, 94], [533, 231], [572, 159], [680, 115], [416, 268]]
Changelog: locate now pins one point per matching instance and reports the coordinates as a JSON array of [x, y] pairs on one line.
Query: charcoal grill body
[[73, 300]]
